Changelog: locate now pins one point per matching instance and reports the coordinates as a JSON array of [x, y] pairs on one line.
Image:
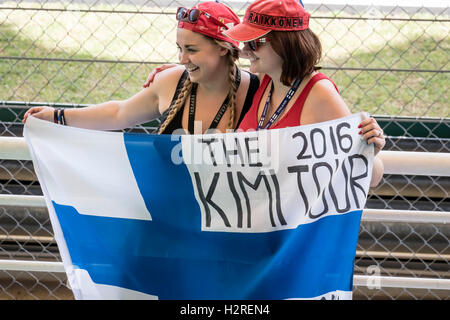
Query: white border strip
[[358, 280]]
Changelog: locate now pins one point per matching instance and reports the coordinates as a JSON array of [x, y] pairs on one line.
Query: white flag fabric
[[271, 214]]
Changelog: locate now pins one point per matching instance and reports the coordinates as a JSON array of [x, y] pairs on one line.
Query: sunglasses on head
[[188, 15], [253, 44], [192, 15]]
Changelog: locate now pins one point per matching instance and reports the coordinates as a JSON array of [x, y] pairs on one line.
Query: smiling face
[[202, 58], [264, 60]]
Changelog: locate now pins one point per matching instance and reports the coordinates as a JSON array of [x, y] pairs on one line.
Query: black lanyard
[[220, 113], [280, 108]]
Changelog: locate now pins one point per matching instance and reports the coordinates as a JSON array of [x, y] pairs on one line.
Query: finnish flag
[[272, 214]]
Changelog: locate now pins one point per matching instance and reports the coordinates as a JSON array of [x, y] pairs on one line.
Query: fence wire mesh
[[388, 60]]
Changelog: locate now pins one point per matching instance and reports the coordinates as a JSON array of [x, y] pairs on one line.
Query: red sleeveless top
[[291, 118]]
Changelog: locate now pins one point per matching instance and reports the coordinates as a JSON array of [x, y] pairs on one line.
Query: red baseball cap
[[263, 16], [214, 20]]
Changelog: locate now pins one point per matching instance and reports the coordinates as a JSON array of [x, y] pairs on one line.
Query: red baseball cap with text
[[214, 20], [263, 16]]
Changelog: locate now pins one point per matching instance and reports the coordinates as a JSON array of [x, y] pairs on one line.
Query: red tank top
[[291, 118]]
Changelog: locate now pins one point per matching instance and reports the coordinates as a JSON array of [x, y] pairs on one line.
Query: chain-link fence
[[391, 61]]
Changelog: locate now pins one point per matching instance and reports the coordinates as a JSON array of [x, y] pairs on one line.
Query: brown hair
[[300, 51], [232, 56]]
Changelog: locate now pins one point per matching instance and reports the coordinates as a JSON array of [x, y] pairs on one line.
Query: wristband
[[55, 116]]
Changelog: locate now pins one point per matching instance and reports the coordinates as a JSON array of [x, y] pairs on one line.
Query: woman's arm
[[377, 172], [152, 74], [115, 115], [109, 115], [372, 133]]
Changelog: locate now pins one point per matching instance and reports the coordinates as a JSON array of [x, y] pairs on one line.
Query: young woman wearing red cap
[[220, 94], [285, 52]]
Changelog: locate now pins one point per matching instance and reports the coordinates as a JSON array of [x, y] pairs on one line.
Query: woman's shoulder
[[165, 84], [323, 102], [169, 76], [323, 87]]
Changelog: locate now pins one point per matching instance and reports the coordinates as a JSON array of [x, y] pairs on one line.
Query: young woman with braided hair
[[206, 91], [171, 120]]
